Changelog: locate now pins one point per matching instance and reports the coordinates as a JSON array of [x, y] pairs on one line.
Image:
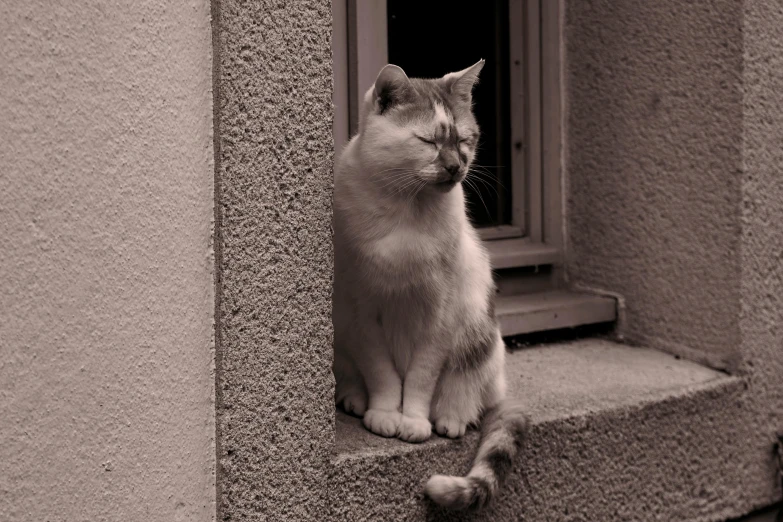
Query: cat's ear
[[391, 87], [461, 83]]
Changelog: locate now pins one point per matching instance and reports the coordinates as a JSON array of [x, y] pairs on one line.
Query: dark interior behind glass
[[431, 38]]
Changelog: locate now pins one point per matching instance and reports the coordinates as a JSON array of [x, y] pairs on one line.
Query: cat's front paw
[[382, 422], [450, 427], [415, 429]]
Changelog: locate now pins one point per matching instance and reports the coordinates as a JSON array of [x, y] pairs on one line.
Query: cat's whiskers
[[415, 192], [417, 182], [484, 169], [478, 193], [404, 177], [391, 177], [483, 175], [394, 172], [485, 182], [405, 191], [409, 186], [397, 175]]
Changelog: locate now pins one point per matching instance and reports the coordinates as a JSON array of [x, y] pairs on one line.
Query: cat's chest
[[405, 245]]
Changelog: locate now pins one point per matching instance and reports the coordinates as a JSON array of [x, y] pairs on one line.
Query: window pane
[[429, 38]]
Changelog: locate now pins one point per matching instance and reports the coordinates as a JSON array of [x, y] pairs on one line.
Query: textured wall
[[761, 323], [675, 197], [674, 200], [275, 409], [654, 139], [106, 292]]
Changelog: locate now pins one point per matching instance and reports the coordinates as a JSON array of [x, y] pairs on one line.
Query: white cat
[[416, 339]]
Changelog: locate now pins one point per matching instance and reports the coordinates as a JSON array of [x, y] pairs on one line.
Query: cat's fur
[[416, 339]]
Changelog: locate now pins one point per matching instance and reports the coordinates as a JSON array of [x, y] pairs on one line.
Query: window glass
[[429, 38]]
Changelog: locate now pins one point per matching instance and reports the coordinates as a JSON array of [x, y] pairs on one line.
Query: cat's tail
[[503, 430]]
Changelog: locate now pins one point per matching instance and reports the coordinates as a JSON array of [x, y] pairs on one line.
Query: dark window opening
[[431, 38]]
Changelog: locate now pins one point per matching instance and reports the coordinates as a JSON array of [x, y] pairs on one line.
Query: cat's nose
[[450, 161]]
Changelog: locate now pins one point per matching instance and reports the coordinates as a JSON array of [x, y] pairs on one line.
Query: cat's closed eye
[[427, 141]]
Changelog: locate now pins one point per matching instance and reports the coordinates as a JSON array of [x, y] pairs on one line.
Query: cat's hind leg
[[457, 402], [368, 384], [350, 391], [466, 389]]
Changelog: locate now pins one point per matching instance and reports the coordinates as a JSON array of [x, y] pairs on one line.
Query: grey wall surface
[[674, 201], [654, 162], [761, 218], [675, 196], [275, 402], [106, 286]]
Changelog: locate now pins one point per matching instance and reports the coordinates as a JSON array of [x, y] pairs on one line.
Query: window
[[409, 33], [517, 204]]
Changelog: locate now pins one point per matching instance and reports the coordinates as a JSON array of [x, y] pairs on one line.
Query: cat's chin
[[445, 186]]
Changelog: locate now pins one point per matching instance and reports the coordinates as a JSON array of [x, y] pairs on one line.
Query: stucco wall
[[106, 290], [761, 218], [275, 410], [673, 131], [654, 141], [675, 198]]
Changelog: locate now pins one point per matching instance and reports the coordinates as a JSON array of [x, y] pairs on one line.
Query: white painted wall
[[106, 290]]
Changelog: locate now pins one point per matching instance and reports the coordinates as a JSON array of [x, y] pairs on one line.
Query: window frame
[[359, 48]]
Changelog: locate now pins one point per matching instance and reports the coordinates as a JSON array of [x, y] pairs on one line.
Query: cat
[[416, 338]]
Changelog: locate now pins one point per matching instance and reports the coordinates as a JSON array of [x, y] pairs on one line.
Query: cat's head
[[419, 133]]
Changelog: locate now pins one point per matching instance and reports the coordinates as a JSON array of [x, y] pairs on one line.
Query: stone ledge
[[617, 431]]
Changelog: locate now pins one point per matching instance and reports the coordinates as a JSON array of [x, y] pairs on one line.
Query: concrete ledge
[[552, 310], [619, 433]]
